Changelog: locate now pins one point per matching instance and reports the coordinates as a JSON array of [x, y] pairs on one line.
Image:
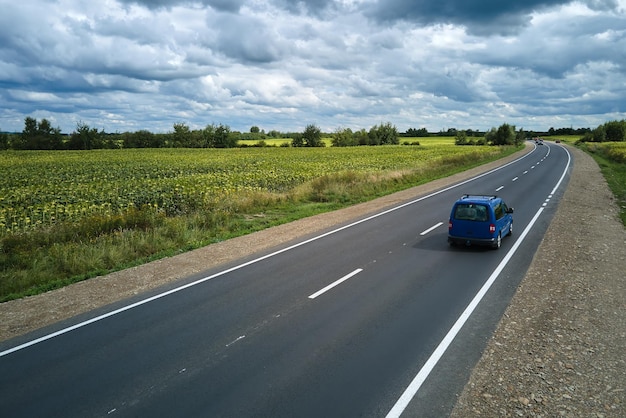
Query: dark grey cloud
[[481, 17], [248, 39], [315, 7], [602, 4], [576, 42], [223, 5]]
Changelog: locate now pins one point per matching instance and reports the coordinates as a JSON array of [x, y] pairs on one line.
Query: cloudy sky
[[126, 65]]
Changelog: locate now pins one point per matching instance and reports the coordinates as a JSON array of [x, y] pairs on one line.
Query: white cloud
[[283, 64]]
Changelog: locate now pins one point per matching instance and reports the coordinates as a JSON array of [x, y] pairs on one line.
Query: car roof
[[469, 198]]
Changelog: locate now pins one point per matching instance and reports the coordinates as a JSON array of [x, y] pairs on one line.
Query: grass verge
[[613, 169]]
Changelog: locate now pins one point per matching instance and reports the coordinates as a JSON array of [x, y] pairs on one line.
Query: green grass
[[69, 216], [611, 157]]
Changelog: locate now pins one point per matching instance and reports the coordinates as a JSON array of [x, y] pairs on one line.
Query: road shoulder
[[559, 348]]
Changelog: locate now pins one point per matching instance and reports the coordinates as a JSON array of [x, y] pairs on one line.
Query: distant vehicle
[[479, 220]]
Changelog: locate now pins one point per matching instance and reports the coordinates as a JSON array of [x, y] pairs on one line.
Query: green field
[[66, 216], [266, 142], [40, 189], [430, 141]]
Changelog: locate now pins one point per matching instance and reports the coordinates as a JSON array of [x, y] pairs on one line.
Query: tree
[[30, 127], [461, 138], [372, 136], [412, 132], [520, 137], [361, 136], [85, 138], [388, 134], [274, 134], [223, 137], [4, 141], [255, 130], [219, 136], [615, 130], [343, 138], [181, 137], [599, 134], [383, 134], [40, 135], [490, 136], [297, 140], [504, 135], [312, 136], [207, 136], [138, 139]]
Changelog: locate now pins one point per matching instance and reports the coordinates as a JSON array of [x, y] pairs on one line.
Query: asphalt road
[[379, 317]]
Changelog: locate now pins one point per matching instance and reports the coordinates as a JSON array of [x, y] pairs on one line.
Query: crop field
[[66, 216], [43, 188], [616, 151], [431, 141]]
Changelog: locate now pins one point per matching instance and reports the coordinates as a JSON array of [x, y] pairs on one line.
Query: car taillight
[[492, 229], [449, 224]]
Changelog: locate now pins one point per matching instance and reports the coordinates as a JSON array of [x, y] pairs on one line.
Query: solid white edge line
[[335, 283], [432, 361], [432, 228], [256, 260], [569, 160], [434, 358]]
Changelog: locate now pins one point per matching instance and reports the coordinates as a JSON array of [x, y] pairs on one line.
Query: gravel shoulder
[[558, 350]]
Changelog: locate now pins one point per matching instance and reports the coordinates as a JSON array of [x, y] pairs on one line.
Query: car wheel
[[498, 243], [510, 229]]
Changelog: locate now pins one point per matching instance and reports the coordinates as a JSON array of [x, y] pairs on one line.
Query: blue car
[[479, 220]]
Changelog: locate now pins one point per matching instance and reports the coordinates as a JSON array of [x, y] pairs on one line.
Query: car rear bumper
[[471, 241]]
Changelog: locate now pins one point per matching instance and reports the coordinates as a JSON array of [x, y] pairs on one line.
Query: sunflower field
[[39, 189]]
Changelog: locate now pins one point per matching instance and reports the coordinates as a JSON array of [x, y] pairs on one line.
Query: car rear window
[[470, 212]]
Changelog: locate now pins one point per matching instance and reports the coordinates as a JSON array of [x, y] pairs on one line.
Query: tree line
[[613, 131], [505, 134], [41, 135]]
